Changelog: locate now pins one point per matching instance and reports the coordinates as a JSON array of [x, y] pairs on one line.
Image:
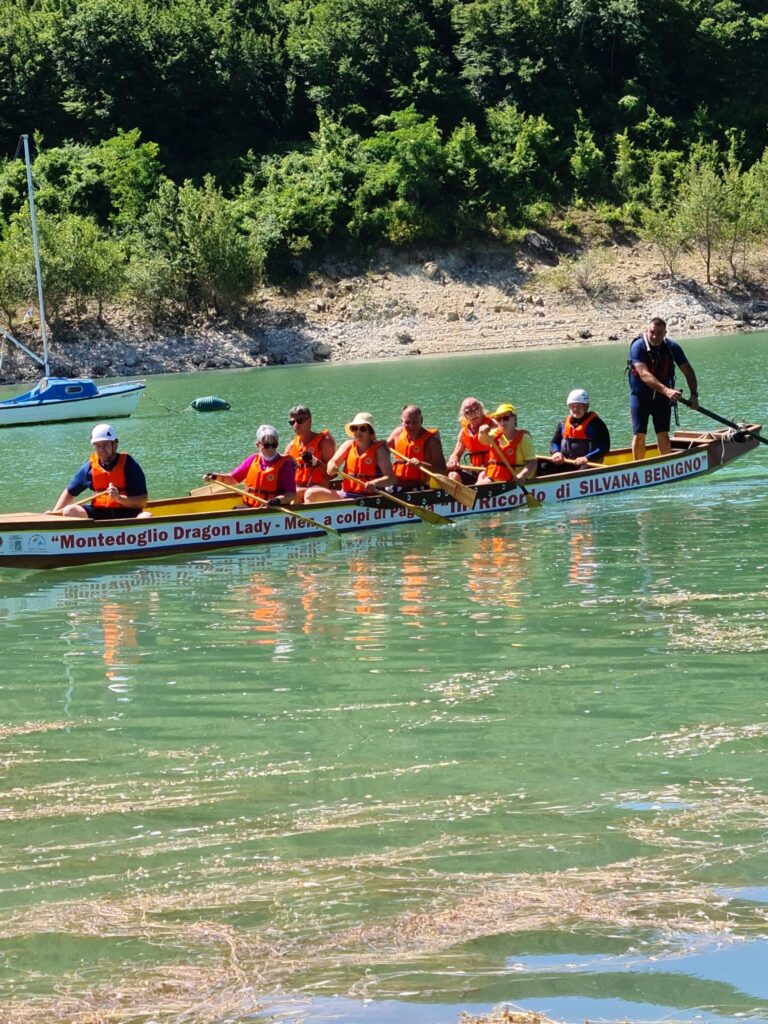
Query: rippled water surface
[[406, 774]]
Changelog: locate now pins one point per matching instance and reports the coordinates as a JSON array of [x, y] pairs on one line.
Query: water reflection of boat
[[81, 590], [199, 523]]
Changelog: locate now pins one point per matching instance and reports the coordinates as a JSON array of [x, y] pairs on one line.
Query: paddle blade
[[531, 500], [465, 495], [212, 488], [429, 516]]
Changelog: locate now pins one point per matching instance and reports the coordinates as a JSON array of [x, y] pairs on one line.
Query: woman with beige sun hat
[[365, 460]]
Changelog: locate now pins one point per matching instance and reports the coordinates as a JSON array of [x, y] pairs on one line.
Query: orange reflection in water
[[581, 544], [495, 571], [268, 612], [413, 586], [121, 639]]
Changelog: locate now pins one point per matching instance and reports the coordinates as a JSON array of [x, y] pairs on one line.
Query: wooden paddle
[[465, 495], [80, 501], [279, 508], [530, 499], [423, 513], [572, 462], [721, 419]]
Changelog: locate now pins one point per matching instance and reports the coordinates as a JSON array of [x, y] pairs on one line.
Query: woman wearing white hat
[[582, 436], [364, 459], [118, 481]]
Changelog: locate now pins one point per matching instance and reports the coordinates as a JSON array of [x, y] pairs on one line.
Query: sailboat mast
[[36, 247]]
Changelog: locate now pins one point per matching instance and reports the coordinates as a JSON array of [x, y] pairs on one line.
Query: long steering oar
[[423, 513], [465, 495], [530, 499], [279, 508], [721, 419]]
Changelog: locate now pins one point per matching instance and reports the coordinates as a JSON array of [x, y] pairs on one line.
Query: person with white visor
[[582, 436], [117, 480]]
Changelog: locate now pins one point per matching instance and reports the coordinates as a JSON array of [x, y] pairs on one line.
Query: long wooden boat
[[197, 523]]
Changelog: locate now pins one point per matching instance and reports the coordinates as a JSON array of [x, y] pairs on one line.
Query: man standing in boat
[[652, 391], [117, 480], [582, 436], [414, 444]]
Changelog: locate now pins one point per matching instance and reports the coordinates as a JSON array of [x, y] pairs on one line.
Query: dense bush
[[197, 147]]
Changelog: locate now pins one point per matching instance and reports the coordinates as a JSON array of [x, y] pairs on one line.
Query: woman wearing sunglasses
[[472, 418], [364, 459], [509, 447], [265, 474]]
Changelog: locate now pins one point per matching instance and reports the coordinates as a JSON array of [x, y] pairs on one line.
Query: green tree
[[16, 271], [587, 161], [703, 203], [400, 196]]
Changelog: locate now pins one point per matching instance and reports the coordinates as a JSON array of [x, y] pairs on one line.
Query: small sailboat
[[57, 399]]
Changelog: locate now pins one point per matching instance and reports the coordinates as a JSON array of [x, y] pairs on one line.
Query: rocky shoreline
[[428, 304]]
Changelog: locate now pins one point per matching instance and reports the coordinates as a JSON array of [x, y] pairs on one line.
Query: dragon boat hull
[[200, 523]]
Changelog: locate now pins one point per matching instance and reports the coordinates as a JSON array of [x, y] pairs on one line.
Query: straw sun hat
[[362, 419]]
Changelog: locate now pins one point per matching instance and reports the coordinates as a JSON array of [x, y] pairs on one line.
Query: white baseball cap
[[103, 432], [578, 395]]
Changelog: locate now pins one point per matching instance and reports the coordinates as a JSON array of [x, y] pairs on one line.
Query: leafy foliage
[[195, 147]]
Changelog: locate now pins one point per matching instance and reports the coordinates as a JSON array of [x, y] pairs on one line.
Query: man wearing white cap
[[117, 480], [582, 436]]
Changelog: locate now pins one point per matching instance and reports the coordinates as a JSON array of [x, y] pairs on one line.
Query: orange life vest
[[496, 470], [102, 478], [411, 450], [576, 442], [577, 430], [263, 482], [308, 475], [364, 467], [478, 452]]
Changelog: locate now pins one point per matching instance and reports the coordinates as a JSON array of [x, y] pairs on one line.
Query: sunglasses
[[355, 429], [472, 408], [505, 417], [298, 419], [268, 444]]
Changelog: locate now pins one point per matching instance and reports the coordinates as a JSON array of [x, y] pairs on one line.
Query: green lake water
[[412, 773]]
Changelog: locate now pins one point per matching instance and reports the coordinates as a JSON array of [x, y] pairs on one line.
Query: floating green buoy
[[210, 403]]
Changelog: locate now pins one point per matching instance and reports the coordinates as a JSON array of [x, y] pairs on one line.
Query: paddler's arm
[[455, 457], [80, 482], [65, 498], [528, 452], [690, 375], [433, 454], [384, 465], [654, 383], [338, 459]]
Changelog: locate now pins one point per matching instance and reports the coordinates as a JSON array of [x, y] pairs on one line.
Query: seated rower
[[363, 457], [265, 474], [414, 444], [510, 447], [310, 450], [117, 480], [472, 418], [582, 437]]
